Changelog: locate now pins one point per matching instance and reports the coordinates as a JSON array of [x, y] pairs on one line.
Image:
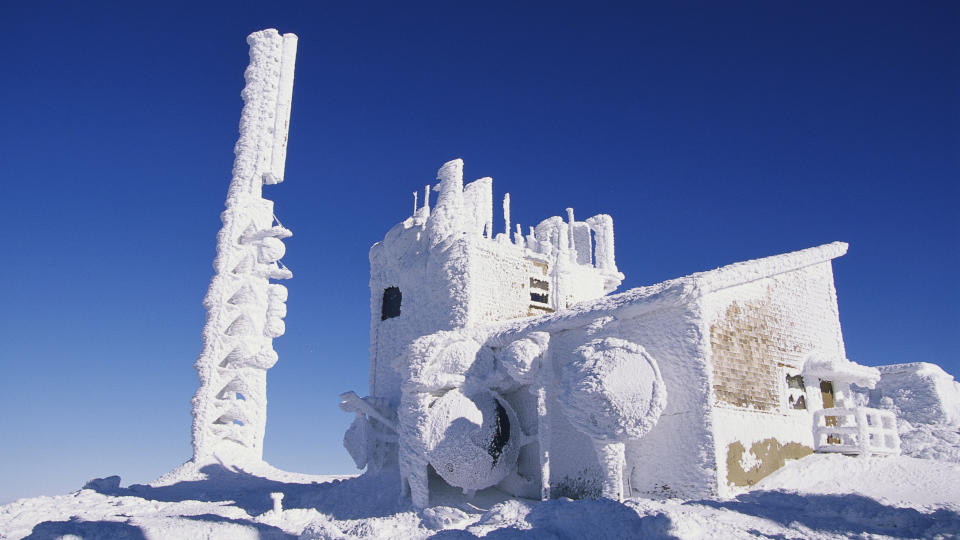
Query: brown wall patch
[[745, 356], [771, 456]]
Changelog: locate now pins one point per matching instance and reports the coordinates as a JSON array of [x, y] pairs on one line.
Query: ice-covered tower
[[444, 268], [244, 309]]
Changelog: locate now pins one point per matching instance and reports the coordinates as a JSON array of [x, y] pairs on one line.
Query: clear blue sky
[[712, 132]]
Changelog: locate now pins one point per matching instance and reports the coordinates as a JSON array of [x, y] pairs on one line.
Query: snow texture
[[817, 497], [244, 310], [836, 369], [926, 401], [612, 390]]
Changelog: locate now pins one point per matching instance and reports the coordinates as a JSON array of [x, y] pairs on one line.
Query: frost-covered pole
[[506, 215], [543, 425], [612, 456], [602, 226], [244, 310], [518, 236]]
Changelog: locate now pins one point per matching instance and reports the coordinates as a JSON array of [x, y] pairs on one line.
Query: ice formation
[[244, 309], [926, 401], [499, 361]]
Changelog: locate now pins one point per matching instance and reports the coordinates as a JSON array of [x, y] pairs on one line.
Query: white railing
[[858, 430]]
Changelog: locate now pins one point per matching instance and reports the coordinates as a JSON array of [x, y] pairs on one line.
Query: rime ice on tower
[[244, 309]]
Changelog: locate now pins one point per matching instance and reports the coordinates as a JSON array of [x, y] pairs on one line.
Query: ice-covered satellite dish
[[472, 441], [612, 390]]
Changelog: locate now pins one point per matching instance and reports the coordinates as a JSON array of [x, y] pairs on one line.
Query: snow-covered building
[[500, 359]]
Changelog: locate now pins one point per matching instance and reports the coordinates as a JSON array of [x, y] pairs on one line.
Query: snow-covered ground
[[820, 496]]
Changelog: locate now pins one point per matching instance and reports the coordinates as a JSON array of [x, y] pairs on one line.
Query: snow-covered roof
[[752, 270], [841, 369], [920, 368], [673, 292]]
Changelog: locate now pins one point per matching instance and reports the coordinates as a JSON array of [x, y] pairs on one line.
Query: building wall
[[433, 291], [760, 332], [675, 459], [499, 288], [465, 281]]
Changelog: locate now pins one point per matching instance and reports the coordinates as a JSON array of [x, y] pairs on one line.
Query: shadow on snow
[[365, 496], [841, 514], [88, 530]]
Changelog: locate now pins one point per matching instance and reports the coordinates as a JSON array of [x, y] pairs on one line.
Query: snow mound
[[926, 400], [922, 393], [897, 480]]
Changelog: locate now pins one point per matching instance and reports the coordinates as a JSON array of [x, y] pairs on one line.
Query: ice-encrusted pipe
[[446, 219], [612, 459], [277, 502], [244, 310], [602, 226], [506, 214], [518, 236]]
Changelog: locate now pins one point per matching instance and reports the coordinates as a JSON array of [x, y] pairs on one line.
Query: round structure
[[472, 441], [612, 390]]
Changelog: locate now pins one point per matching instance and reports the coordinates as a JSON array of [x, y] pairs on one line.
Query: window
[[539, 291], [792, 388], [391, 303]]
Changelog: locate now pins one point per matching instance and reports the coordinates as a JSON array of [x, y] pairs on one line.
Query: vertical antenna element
[[572, 244], [281, 126], [244, 310], [506, 214]]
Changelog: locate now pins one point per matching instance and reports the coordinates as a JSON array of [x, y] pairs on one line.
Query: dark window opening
[[795, 381], [501, 434], [539, 284], [537, 297], [800, 403], [391, 303]]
